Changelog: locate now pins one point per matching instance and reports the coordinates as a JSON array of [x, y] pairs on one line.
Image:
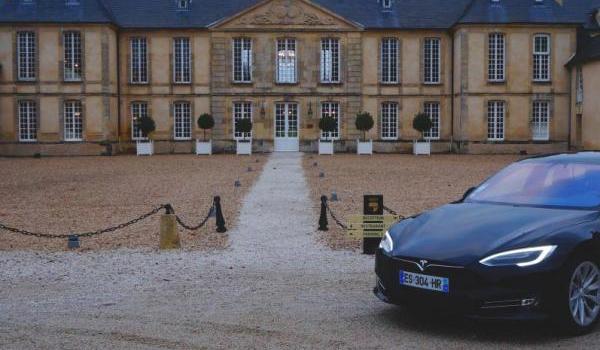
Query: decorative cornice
[[287, 12]]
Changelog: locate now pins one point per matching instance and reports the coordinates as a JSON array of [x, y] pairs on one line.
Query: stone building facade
[[495, 76]]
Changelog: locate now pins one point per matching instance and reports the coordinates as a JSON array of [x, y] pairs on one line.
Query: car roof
[[592, 157]]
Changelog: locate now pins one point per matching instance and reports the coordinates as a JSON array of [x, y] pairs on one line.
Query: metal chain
[[85, 234], [338, 222], [200, 225]]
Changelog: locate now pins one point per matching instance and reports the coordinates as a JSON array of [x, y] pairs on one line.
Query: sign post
[[373, 205]]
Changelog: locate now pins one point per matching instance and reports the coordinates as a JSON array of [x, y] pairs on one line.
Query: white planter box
[[325, 147], [244, 147], [203, 147], [145, 148], [422, 148], [364, 147]]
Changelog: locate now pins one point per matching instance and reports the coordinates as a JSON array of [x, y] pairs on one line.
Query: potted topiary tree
[[422, 123], [147, 127], [205, 122], [364, 123], [244, 145], [327, 125]]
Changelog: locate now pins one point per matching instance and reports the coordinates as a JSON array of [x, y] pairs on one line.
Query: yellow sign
[[370, 226]]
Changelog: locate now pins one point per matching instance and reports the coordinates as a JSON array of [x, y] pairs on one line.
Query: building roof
[[588, 49], [53, 11], [528, 12], [404, 14]]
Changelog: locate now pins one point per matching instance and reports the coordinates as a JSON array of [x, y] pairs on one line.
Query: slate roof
[[405, 14], [528, 12], [53, 11], [588, 49]]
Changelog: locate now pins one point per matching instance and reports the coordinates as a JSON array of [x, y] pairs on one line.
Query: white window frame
[[332, 109], [73, 121], [242, 60], [73, 60], [432, 61], [27, 121], [138, 110], [540, 122], [542, 59], [496, 120], [241, 110], [26, 56], [496, 57], [182, 60], [579, 82], [330, 61], [286, 54], [389, 121], [389, 60], [182, 121], [139, 60], [433, 110]]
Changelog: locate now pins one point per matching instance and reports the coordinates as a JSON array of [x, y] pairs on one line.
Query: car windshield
[[559, 184]]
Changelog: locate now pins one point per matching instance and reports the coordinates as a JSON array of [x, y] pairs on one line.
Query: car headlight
[[386, 243], [520, 257]]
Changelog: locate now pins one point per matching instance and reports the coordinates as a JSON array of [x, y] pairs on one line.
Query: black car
[[525, 244]]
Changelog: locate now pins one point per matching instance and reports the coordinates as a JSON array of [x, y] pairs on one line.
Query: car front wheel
[[582, 297]]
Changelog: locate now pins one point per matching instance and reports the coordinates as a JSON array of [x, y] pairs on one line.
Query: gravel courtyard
[[409, 184], [274, 287], [64, 195]]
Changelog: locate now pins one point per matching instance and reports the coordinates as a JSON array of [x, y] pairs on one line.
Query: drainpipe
[[119, 88], [452, 43]]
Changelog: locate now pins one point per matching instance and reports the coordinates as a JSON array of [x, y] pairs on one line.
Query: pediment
[[286, 14]]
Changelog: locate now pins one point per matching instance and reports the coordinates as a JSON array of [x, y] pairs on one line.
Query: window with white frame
[[139, 61], [432, 109], [579, 78], [72, 64], [389, 60], [431, 61], [541, 121], [241, 110], [27, 121], [26, 53], [138, 110], [331, 109], [182, 121], [541, 57], [386, 4], [73, 120], [495, 120], [181, 61], [389, 121], [496, 57], [330, 60], [286, 61], [242, 60]]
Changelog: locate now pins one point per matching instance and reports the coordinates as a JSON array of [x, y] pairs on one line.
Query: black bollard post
[[323, 218], [220, 219]]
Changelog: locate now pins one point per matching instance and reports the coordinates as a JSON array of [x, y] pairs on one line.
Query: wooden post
[[169, 235]]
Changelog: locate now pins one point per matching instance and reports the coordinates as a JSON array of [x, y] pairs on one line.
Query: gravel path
[[274, 287]]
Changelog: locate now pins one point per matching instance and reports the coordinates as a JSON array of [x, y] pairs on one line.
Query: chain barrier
[[334, 217], [87, 234], [200, 225], [402, 217]]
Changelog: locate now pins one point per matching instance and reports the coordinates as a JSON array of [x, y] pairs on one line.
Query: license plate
[[417, 280]]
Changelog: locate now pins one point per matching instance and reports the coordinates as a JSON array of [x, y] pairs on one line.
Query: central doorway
[[286, 127]]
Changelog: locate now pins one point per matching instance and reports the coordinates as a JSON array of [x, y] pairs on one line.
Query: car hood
[[460, 234]]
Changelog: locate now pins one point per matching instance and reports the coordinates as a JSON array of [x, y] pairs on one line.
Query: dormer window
[[183, 4], [71, 2], [386, 4]]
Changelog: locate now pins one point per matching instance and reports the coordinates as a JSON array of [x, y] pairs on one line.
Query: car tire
[[571, 294]]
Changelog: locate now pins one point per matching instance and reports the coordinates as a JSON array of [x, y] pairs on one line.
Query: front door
[[286, 127]]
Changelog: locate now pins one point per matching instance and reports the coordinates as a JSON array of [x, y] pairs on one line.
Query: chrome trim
[[426, 266]]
